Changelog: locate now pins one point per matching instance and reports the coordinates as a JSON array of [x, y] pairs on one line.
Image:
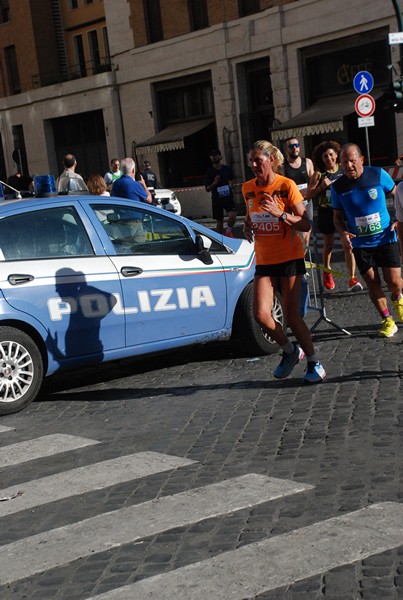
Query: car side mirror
[[203, 245]]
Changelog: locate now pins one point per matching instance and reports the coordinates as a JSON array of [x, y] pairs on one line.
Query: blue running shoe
[[315, 373], [288, 362]]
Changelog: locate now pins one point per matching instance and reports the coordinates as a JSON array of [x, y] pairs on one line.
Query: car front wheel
[[249, 332], [21, 370]]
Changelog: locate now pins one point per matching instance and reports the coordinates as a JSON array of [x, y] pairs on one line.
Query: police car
[[89, 279], [166, 199]]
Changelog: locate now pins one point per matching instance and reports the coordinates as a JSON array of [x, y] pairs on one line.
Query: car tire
[[247, 329], [21, 370]]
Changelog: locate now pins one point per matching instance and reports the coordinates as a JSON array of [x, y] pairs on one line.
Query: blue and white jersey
[[363, 201]]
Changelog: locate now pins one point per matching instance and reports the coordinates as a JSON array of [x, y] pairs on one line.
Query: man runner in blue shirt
[[364, 224]]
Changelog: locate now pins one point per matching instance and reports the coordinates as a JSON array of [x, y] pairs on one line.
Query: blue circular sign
[[363, 82]]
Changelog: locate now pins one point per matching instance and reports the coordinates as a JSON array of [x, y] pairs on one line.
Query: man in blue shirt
[[127, 186], [364, 224]]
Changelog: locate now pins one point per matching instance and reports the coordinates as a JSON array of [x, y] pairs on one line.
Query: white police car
[[167, 200], [85, 280]]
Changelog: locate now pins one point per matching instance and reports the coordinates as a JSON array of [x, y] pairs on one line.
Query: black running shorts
[[325, 220], [285, 269], [379, 256]]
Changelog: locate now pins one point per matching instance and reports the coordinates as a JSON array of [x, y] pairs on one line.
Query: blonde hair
[[96, 185], [269, 150]]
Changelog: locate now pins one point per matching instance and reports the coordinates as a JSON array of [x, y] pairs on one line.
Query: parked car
[[89, 279], [167, 200]]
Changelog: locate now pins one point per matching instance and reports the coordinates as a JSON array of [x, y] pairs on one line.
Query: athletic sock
[[312, 358], [288, 348], [385, 313]]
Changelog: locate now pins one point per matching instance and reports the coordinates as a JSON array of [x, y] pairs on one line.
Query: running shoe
[[354, 285], [288, 362], [228, 232], [398, 304], [328, 281], [315, 373], [388, 328]]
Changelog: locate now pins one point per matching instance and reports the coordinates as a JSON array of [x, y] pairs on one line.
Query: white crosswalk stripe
[[87, 479], [4, 429], [65, 544], [277, 561], [47, 445], [248, 571]]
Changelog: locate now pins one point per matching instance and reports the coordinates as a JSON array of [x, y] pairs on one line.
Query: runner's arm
[[341, 228]]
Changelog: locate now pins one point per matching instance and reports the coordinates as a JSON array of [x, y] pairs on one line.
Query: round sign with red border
[[365, 105]]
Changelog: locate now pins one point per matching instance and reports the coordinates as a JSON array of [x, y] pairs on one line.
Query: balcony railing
[[78, 71]]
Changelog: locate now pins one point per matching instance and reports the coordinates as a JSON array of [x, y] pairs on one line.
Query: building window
[[94, 50], [248, 7], [80, 67], [187, 102], [106, 46], [73, 4], [198, 14], [10, 57], [152, 13], [88, 1], [4, 11]]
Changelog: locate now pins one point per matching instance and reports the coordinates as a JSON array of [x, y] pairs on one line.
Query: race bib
[[264, 223], [328, 197], [368, 224], [223, 190]]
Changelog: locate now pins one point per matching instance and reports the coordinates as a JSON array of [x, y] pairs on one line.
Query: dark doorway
[[84, 136]]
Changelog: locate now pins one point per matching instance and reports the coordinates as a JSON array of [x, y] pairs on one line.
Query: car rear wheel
[[249, 332], [21, 370]]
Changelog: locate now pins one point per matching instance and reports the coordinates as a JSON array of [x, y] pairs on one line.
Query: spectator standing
[[275, 212], [327, 171], [364, 224], [69, 180], [113, 173], [127, 186], [218, 180], [149, 176], [97, 186], [300, 170]]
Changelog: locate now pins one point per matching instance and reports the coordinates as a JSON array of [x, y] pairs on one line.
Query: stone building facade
[[181, 77]]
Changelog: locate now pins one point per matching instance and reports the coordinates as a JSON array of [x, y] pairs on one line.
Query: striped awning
[[324, 116], [172, 137]]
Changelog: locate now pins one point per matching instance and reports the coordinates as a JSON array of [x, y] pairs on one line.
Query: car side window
[[139, 231], [47, 233]]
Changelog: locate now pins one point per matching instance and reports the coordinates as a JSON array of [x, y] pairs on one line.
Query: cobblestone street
[[222, 416]]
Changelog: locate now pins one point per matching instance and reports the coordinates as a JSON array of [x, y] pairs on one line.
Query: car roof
[[33, 202], [23, 204]]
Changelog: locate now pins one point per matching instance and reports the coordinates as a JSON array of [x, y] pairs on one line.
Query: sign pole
[[367, 142], [365, 104]]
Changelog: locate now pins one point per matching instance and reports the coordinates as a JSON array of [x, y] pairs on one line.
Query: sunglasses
[[291, 146]]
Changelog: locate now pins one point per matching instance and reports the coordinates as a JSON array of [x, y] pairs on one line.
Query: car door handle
[[131, 271], [18, 279]]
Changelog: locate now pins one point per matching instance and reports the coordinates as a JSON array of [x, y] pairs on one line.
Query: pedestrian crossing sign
[[363, 82]]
